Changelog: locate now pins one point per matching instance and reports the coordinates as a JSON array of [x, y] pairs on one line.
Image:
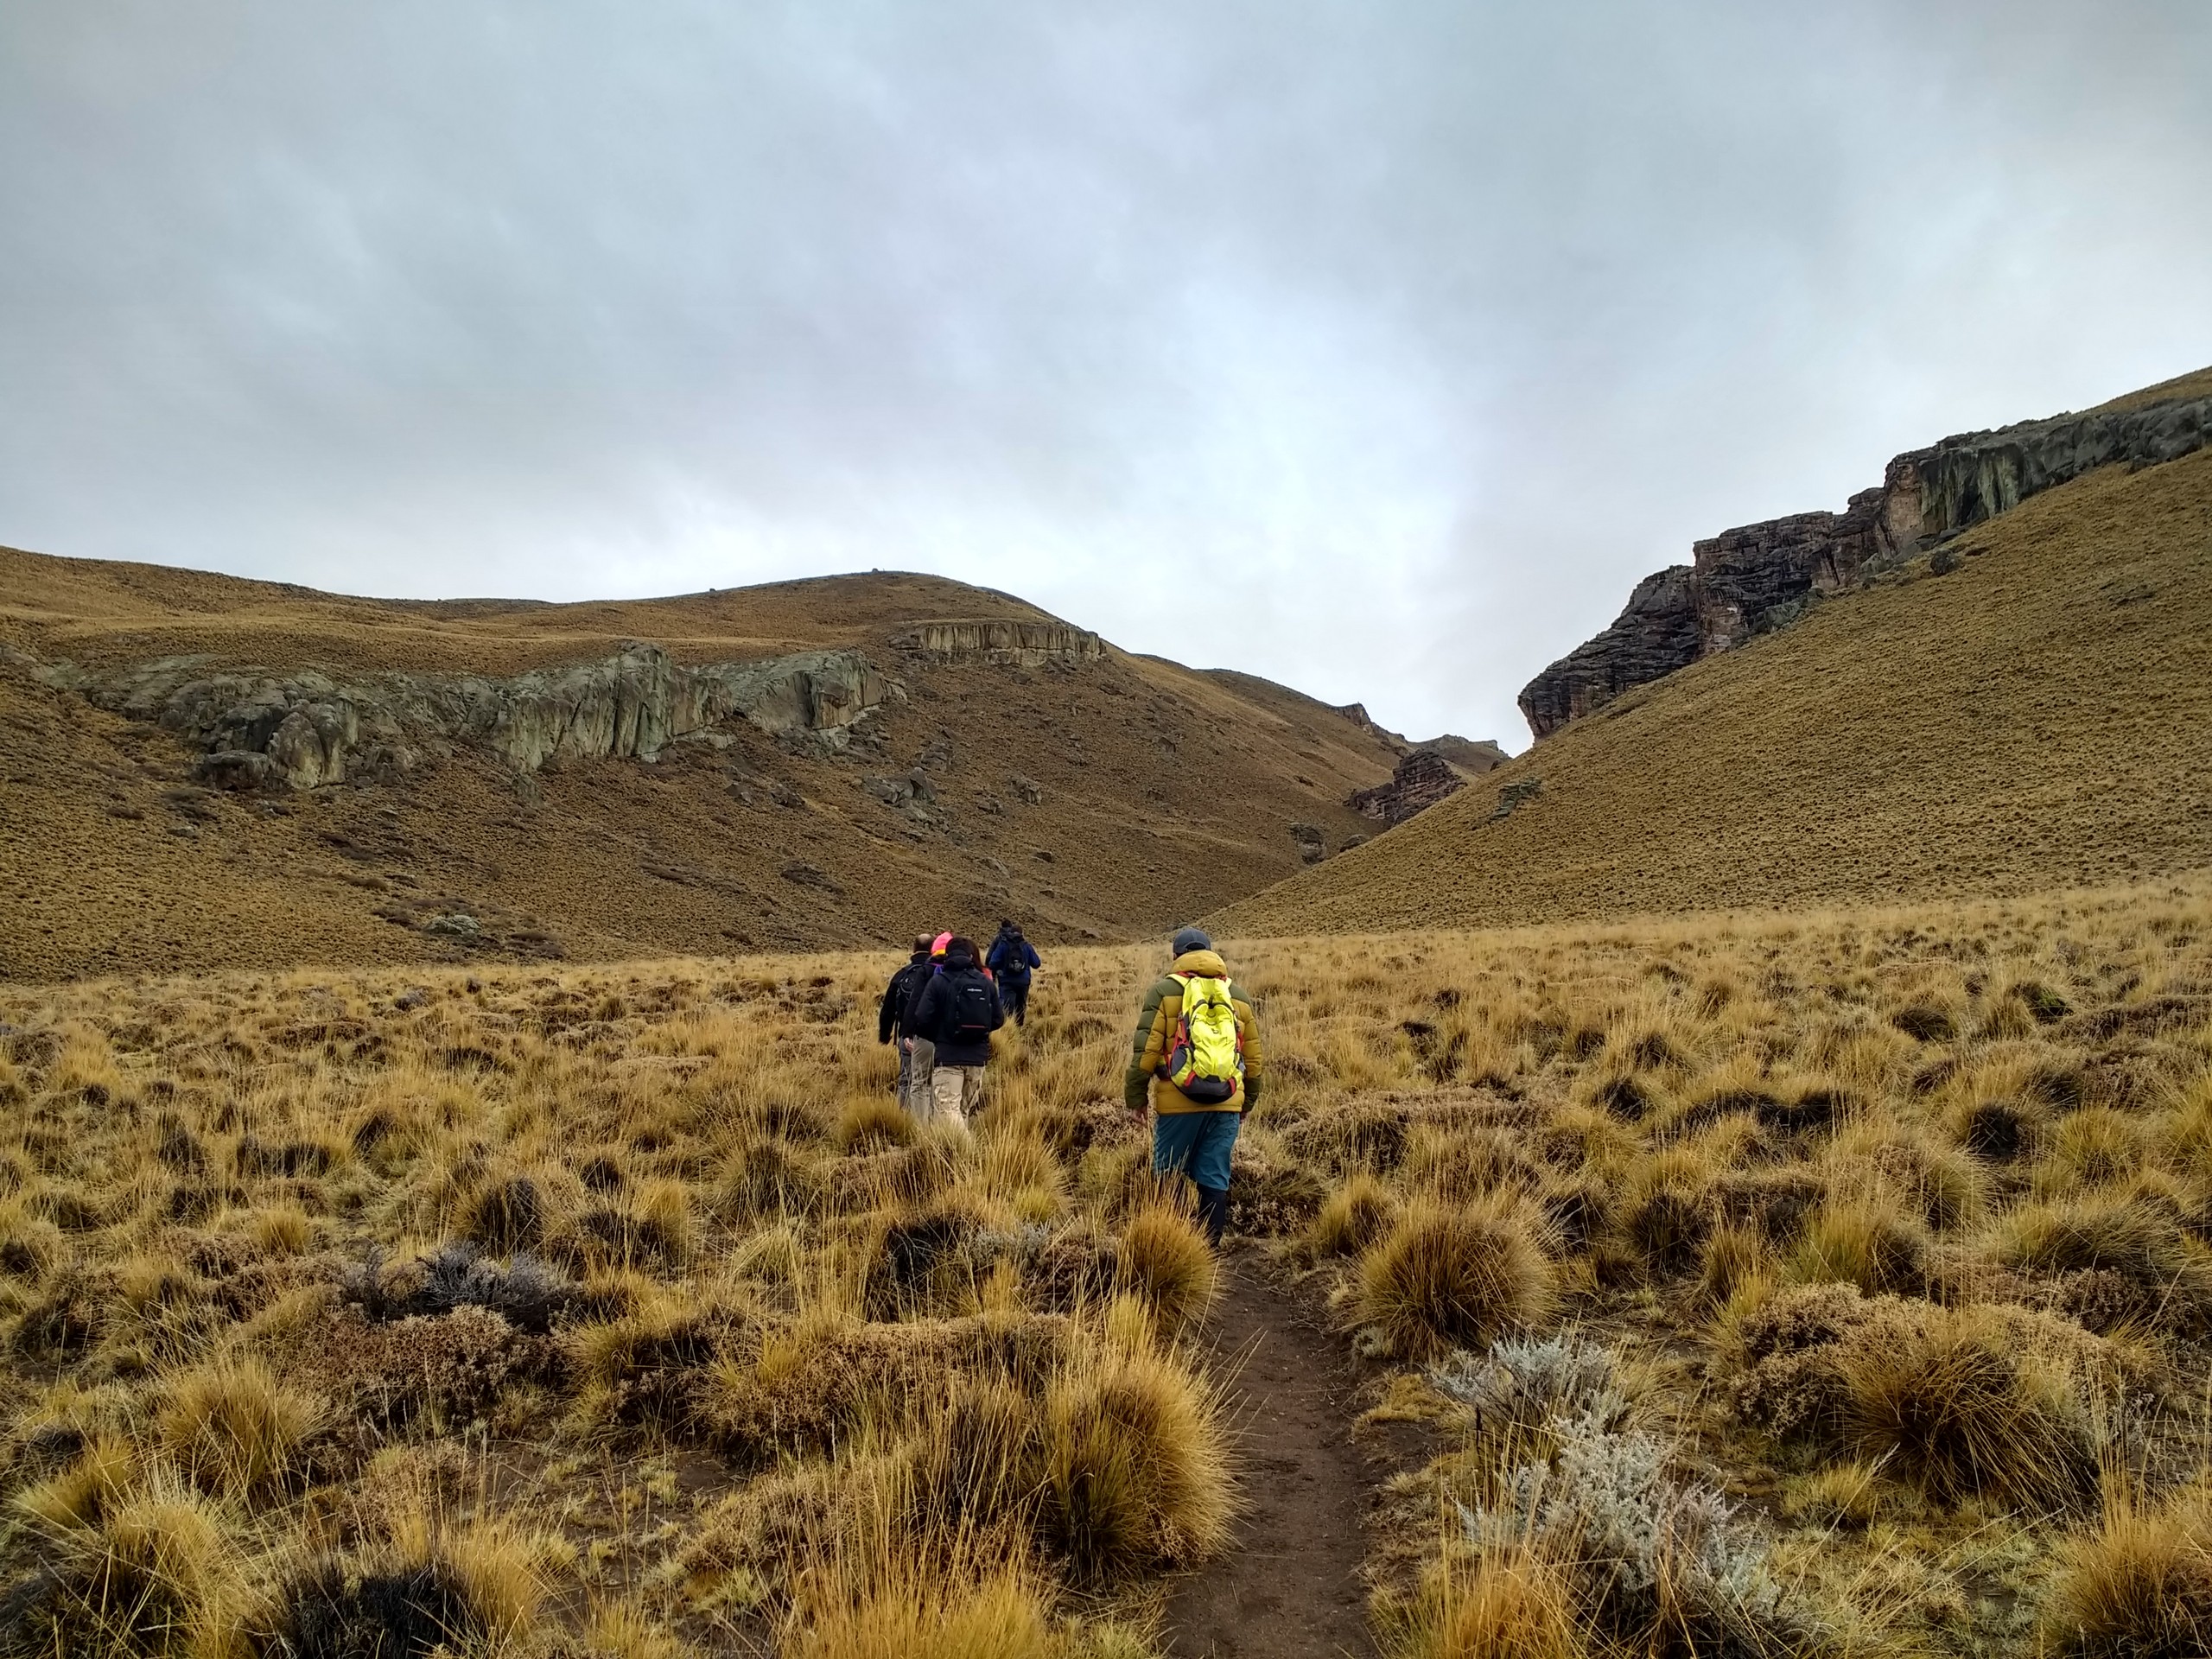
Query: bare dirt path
[[1289, 1587]]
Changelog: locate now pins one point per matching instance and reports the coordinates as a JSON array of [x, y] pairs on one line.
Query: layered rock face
[[1660, 632], [1422, 779], [1004, 644], [307, 729], [1471, 756], [1748, 582]]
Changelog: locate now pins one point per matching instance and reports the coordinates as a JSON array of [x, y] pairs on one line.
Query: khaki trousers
[[957, 1087], [921, 1061]]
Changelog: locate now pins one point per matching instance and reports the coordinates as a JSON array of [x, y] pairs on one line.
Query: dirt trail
[[1289, 1587]]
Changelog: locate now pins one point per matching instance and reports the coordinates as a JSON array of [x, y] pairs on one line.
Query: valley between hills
[[202, 772], [1734, 1180]]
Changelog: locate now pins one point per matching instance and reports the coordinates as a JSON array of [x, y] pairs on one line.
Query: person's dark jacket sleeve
[[894, 1007], [1029, 954]]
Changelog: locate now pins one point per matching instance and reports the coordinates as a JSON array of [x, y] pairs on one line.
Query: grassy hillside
[[1102, 800], [2040, 715]]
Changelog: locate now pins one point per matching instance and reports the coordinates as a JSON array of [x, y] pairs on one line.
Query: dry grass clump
[[1445, 1277], [1737, 1258], [423, 1587], [153, 1572], [873, 1124], [1496, 1607], [1863, 1243], [647, 1368], [1950, 1405], [1104, 1455], [1665, 1211], [1165, 1259], [2138, 1586], [1844, 1496], [923, 1617], [1352, 1217], [234, 1428], [1975, 1403], [1135, 1471], [2160, 1273]]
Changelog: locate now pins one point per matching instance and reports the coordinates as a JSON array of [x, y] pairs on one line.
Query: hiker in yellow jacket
[[1196, 1062]]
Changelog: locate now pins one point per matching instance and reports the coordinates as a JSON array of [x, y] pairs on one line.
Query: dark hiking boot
[[1214, 1210]]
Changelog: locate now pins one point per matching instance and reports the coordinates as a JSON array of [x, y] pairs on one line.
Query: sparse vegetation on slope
[[1100, 797], [2039, 716]]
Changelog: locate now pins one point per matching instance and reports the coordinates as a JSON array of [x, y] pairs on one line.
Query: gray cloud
[[1376, 348]]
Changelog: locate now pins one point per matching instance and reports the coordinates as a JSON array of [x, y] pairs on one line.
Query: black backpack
[[969, 1018]]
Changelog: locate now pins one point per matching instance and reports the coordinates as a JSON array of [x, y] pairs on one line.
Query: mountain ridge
[[1755, 579], [204, 770], [2023, 707]]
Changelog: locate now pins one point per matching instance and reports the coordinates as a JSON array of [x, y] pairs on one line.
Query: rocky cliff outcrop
[[1471, 756], [1422, 778], [305, 729], [1748, 582], [1014, 644]]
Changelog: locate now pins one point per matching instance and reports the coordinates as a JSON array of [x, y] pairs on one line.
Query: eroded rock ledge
[[1748, 582], [1426, 775], [1422, 778], [998, 644], [305, 729]]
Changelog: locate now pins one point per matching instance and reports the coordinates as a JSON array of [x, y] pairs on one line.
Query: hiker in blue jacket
[[1011, 959]]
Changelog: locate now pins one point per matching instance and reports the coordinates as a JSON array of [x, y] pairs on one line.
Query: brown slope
[[1100, 799], [2038, 717], [2195, 384], [105, 612], [1757, 578]]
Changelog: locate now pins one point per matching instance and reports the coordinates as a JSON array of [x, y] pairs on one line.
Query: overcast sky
[[1376, 347]]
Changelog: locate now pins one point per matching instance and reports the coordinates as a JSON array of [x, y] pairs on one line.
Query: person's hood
[[919, 956], [1207, 964], [956, 959]]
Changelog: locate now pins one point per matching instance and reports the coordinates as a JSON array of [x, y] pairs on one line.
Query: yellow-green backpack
[[1206, 1060]]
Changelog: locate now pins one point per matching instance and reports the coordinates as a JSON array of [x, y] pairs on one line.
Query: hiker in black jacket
[[922, 1101], [1011, 958], [959, 1010], [891, 1018]]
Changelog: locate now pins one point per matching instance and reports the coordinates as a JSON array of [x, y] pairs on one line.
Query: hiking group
[[1194, 1062]]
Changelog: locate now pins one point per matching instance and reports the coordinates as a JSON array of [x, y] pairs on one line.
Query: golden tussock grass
[[1499, 1606], [1164, 1258], [1454, 1276], [2139, 1584], [627, 1280]]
